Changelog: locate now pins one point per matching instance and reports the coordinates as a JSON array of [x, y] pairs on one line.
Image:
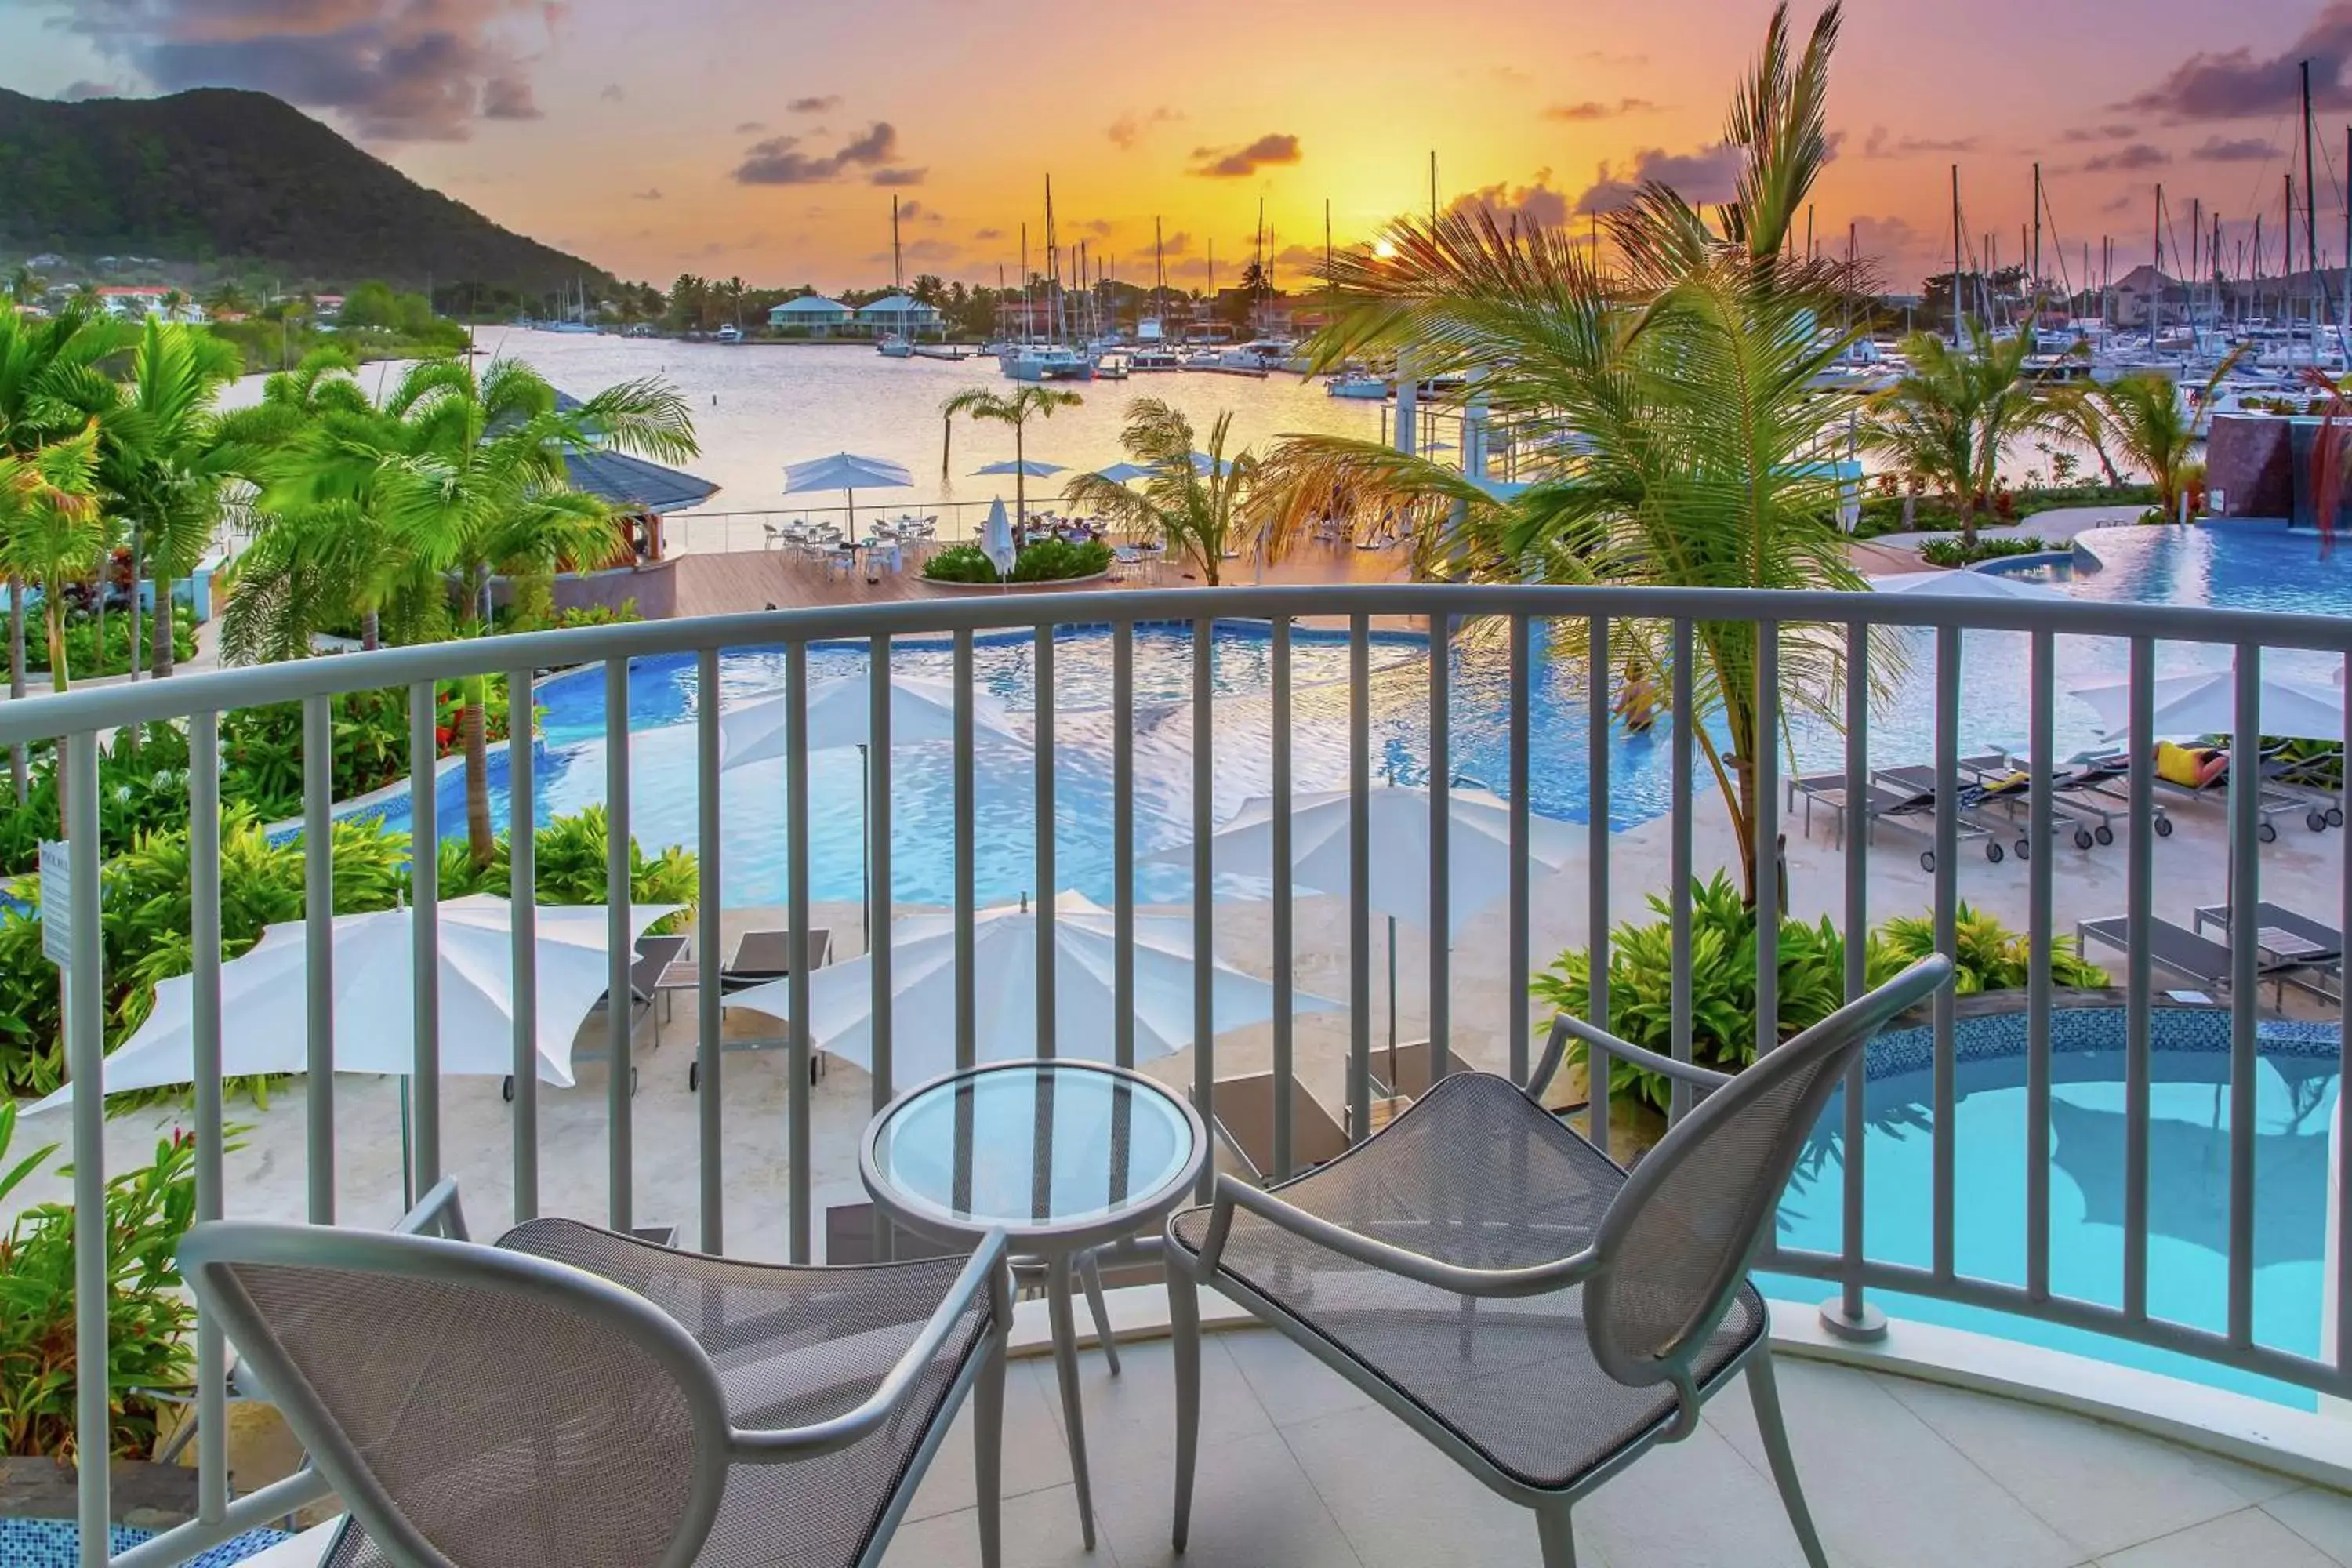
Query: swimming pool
[[2247, 567], [2189, 1192]]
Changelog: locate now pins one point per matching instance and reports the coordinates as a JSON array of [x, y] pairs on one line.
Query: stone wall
[[2249, 459]]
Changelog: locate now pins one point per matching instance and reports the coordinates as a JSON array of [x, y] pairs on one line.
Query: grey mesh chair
[[1537, 1314], [576, 1398]]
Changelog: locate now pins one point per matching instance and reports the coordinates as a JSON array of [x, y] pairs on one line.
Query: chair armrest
[[435, 1214], [988, 1270], [1232, 1193], [1565, 1026]]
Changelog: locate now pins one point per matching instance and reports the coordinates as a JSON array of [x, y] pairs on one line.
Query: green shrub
[[960, 563], [148, 1315], [83, 652], [1990, 957], [1058, 561], [1952, 553]]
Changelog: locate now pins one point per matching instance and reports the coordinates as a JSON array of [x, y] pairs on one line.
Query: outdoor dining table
[[1064, 1156]]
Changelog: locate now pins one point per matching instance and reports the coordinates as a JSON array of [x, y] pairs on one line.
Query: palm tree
[[1680, 383], [51, 533], [1954, 412], [2144, 417], [481, 486], [167, 458], [1199, 514], [1029, 400], [52, 385]]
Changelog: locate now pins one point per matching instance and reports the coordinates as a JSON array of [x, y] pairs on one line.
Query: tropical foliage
[[1954, 410], [1676, 388], [2141, 417], [1990, 957], [1047, 561], [149, 1314], [1028, 401], [1195, 502]]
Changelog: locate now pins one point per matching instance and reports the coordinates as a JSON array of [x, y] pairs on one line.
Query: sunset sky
[[765, 140]]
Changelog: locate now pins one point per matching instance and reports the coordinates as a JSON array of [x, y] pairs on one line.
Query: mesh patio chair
[[576, 1398], [1540, 1316]]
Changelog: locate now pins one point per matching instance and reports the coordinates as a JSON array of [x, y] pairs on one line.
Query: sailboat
[[1054, 359], [896, 345]]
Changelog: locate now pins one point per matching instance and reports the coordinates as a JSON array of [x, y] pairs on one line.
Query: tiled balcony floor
[[1298, 1471]]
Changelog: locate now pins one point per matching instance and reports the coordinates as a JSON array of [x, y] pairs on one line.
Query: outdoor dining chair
[[1506, 1289], [577, 1398]]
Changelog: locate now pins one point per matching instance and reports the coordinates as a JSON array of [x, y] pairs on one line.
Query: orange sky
[[741, 137]]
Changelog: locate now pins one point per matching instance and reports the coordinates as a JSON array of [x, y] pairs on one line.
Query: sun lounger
[[2274, 802], [1905, 810], [759, 956], [2285, 935], [655, 956], [2195, 958], [1243, 1125]]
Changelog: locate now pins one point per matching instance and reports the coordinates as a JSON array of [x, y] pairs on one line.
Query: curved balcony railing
[[1521, 623]]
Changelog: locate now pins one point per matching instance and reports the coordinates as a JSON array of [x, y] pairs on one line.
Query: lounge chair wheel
[[2104, 835], [2335, 816], [693, 1078], [2024, 849], [1994, 853], [2316, 820], [506, 1089], [2267, 832], [2083, 839], [1927, 860], [2164, 828]]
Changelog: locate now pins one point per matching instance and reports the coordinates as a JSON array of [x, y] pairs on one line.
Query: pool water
[[2189, 1193]]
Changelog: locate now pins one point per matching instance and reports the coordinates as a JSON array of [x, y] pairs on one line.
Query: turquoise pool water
[[2188, 1190]]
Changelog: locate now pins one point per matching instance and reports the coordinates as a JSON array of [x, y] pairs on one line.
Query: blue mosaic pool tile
[[57, 1543]]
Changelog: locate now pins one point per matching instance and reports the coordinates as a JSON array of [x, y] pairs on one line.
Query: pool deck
[[1298, 1470]]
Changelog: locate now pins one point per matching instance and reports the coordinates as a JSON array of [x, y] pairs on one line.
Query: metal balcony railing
[[1519, 616]]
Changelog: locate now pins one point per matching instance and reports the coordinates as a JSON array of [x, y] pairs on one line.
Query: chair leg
[[988, 1450], [1090, 1275], [1557, 1532], [1765, 1391], [1185, 1333]]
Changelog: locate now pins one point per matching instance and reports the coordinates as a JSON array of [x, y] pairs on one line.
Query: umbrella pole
[[865, 849], [407, 1152], [1392, 1010]]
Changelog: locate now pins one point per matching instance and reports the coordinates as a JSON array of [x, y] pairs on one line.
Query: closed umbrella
[[2188, 706], [848, 473], [1005, 977], [996, 539], [264, 997], [1964, 586]]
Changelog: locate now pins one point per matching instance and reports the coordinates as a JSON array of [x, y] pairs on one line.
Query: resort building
[[140, 300], [810, 315], [902, 314]]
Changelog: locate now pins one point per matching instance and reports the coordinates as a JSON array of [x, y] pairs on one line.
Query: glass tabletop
[[1035, 1146]]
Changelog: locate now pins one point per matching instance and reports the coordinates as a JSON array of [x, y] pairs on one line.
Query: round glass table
[[1063, 1156]]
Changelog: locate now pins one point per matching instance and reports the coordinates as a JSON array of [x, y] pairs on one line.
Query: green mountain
[[230, 178]]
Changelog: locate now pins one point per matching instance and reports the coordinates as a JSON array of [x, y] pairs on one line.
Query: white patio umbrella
[[1004, 948], [848, 473], [265, 997], [2206, 703], [840, 712], [1478, 841], [1964, 586], [996, 539], [1028, 468], [1478, 870], [1127, 473]]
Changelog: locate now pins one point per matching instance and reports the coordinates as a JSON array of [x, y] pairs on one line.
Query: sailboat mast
[[897, 269], [1958, 334], [2155, 306], [2311, 213]]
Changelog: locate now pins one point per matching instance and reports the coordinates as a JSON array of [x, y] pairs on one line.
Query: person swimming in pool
[[1637, 698]]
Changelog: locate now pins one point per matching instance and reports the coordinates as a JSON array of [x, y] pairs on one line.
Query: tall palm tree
[[1954, 412], [2145, 419], [167, 458], [481, 486], [1680, 383], [51, 533], [53, 382], [1031, 400], [1201, 511]]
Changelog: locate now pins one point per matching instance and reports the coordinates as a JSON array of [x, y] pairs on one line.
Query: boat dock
[[941, 351]]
